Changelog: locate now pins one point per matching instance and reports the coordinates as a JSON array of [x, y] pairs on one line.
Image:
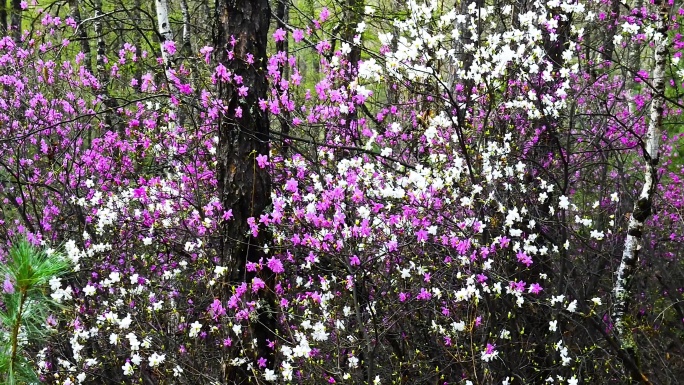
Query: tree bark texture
[[353, 16], [282, 12], [15, 20], [642, 207], [187, 47], [164, 29], [75, 11], [242, 28], [609, 44], [3, 17], [100, 64]]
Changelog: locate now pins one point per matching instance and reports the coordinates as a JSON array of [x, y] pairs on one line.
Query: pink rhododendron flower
[[424, 295], [279, 34], [262, 160], [169, 46], [324, 15], [535, 288], [276, 265], [257, 284], [524, 258], [206, 51], [8, 286], [291, 185], [216, 309], [298, 35]]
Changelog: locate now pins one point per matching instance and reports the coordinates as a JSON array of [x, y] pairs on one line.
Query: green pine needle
[[26, 307]]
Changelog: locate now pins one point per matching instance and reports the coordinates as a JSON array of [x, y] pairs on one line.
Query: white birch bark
[[100, 66], [164, 28], [642, 207], [102, 74], [186, 26]]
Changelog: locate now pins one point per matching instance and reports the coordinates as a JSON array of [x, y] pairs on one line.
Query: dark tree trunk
[[353, 15], [15, 20], [3, 17], [137, 11], [244, 187], [82, 34], [609, 45], [282, 11]]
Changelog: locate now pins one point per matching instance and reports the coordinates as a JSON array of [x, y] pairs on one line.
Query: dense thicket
[[345, 191]]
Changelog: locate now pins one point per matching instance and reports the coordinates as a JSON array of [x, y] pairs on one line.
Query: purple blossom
[[524, 258], [424, 295], [291, 185], [298, 35], [206, 51], [169, 46], [323, 16], [8, 286], [262, 362], [279, 34], [276, 265], [535, 288], [257, 284]]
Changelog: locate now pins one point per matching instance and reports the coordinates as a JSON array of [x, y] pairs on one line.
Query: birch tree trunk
[[187, 46], [100, 62], [165, 32], [100, 59], [136, 15], [642, 207]]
